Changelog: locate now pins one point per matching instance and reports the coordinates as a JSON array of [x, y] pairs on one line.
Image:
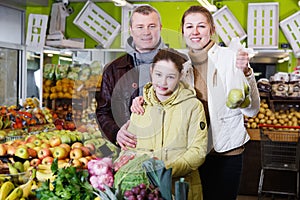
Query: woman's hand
[[136, 106], [242, 61], [124, 138]]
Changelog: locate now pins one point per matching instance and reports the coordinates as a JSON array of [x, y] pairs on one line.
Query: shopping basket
[[280, 150]]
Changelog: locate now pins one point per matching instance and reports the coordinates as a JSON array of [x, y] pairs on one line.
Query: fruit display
[[23, 118], [282, 117]]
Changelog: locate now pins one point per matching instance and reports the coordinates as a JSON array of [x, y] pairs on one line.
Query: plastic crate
[[36, 32], [97, 24], [291, 29], [263, 25], [227, 25]]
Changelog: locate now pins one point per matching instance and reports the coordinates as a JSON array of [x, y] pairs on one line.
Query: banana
[[27, 188], [6, 188], [44, 167], [16, 194], [41, 176]]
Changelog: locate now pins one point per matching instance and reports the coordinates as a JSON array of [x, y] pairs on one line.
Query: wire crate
[[280, 150]]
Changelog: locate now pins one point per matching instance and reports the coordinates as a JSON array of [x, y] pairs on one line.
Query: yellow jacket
[[174, 131]]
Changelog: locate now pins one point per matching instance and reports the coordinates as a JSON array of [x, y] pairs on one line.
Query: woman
[[208, 73], [220, 174], [173, 126]]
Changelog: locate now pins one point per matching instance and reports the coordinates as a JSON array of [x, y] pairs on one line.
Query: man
[[124, 78]]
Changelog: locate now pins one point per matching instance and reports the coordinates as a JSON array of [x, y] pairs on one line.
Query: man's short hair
[[144, 10]]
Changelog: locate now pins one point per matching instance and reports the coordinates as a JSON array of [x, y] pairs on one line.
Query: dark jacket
[[118, 88]]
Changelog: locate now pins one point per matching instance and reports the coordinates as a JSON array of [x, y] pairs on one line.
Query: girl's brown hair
[[202, 10], [172, 55]]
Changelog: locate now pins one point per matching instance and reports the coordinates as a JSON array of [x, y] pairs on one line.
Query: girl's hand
[[124, 138], [242, 61], [136, 106]]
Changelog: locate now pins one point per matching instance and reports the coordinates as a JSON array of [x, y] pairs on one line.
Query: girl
[[173, 127]]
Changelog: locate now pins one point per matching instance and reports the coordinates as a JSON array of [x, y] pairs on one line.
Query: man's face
[[145, 31]]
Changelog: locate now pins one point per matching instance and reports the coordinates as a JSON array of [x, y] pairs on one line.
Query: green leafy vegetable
[[70, 183]]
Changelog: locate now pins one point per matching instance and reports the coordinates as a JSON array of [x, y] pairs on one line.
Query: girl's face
[[165, 78], [196, 31]]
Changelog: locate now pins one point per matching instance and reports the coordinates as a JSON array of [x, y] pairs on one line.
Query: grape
[[143, 192], [128, 193], [150, 196], [132, 197], [143, 186], [135, 190]]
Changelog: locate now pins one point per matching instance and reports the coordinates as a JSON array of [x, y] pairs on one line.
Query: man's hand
[[137, 105], [124, 138], [242, 61]]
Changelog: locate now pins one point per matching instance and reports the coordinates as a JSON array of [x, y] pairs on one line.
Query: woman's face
[[196, 31], [165, 78]]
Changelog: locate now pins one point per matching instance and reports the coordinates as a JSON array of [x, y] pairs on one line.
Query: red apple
[[91, 147], [55, 141], [76, 163], [59, 152], [10, 150], [30, 138], [43, 153], [47, 160], [66, 146], [85, 151], [75, 153], [76, 145], [2, 149], [22, 152], [84, 162], [32, 153], [35, 162]]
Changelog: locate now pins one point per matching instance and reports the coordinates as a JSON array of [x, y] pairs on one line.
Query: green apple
[[246, 102], [235, 96], [65, 139], [37, 142], [30, 144], [22, 152], [59, 152]]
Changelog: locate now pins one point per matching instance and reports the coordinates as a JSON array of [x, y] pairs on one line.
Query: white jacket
[[226, 125]]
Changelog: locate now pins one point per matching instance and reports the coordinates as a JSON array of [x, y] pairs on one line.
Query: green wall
[[171, 13]]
